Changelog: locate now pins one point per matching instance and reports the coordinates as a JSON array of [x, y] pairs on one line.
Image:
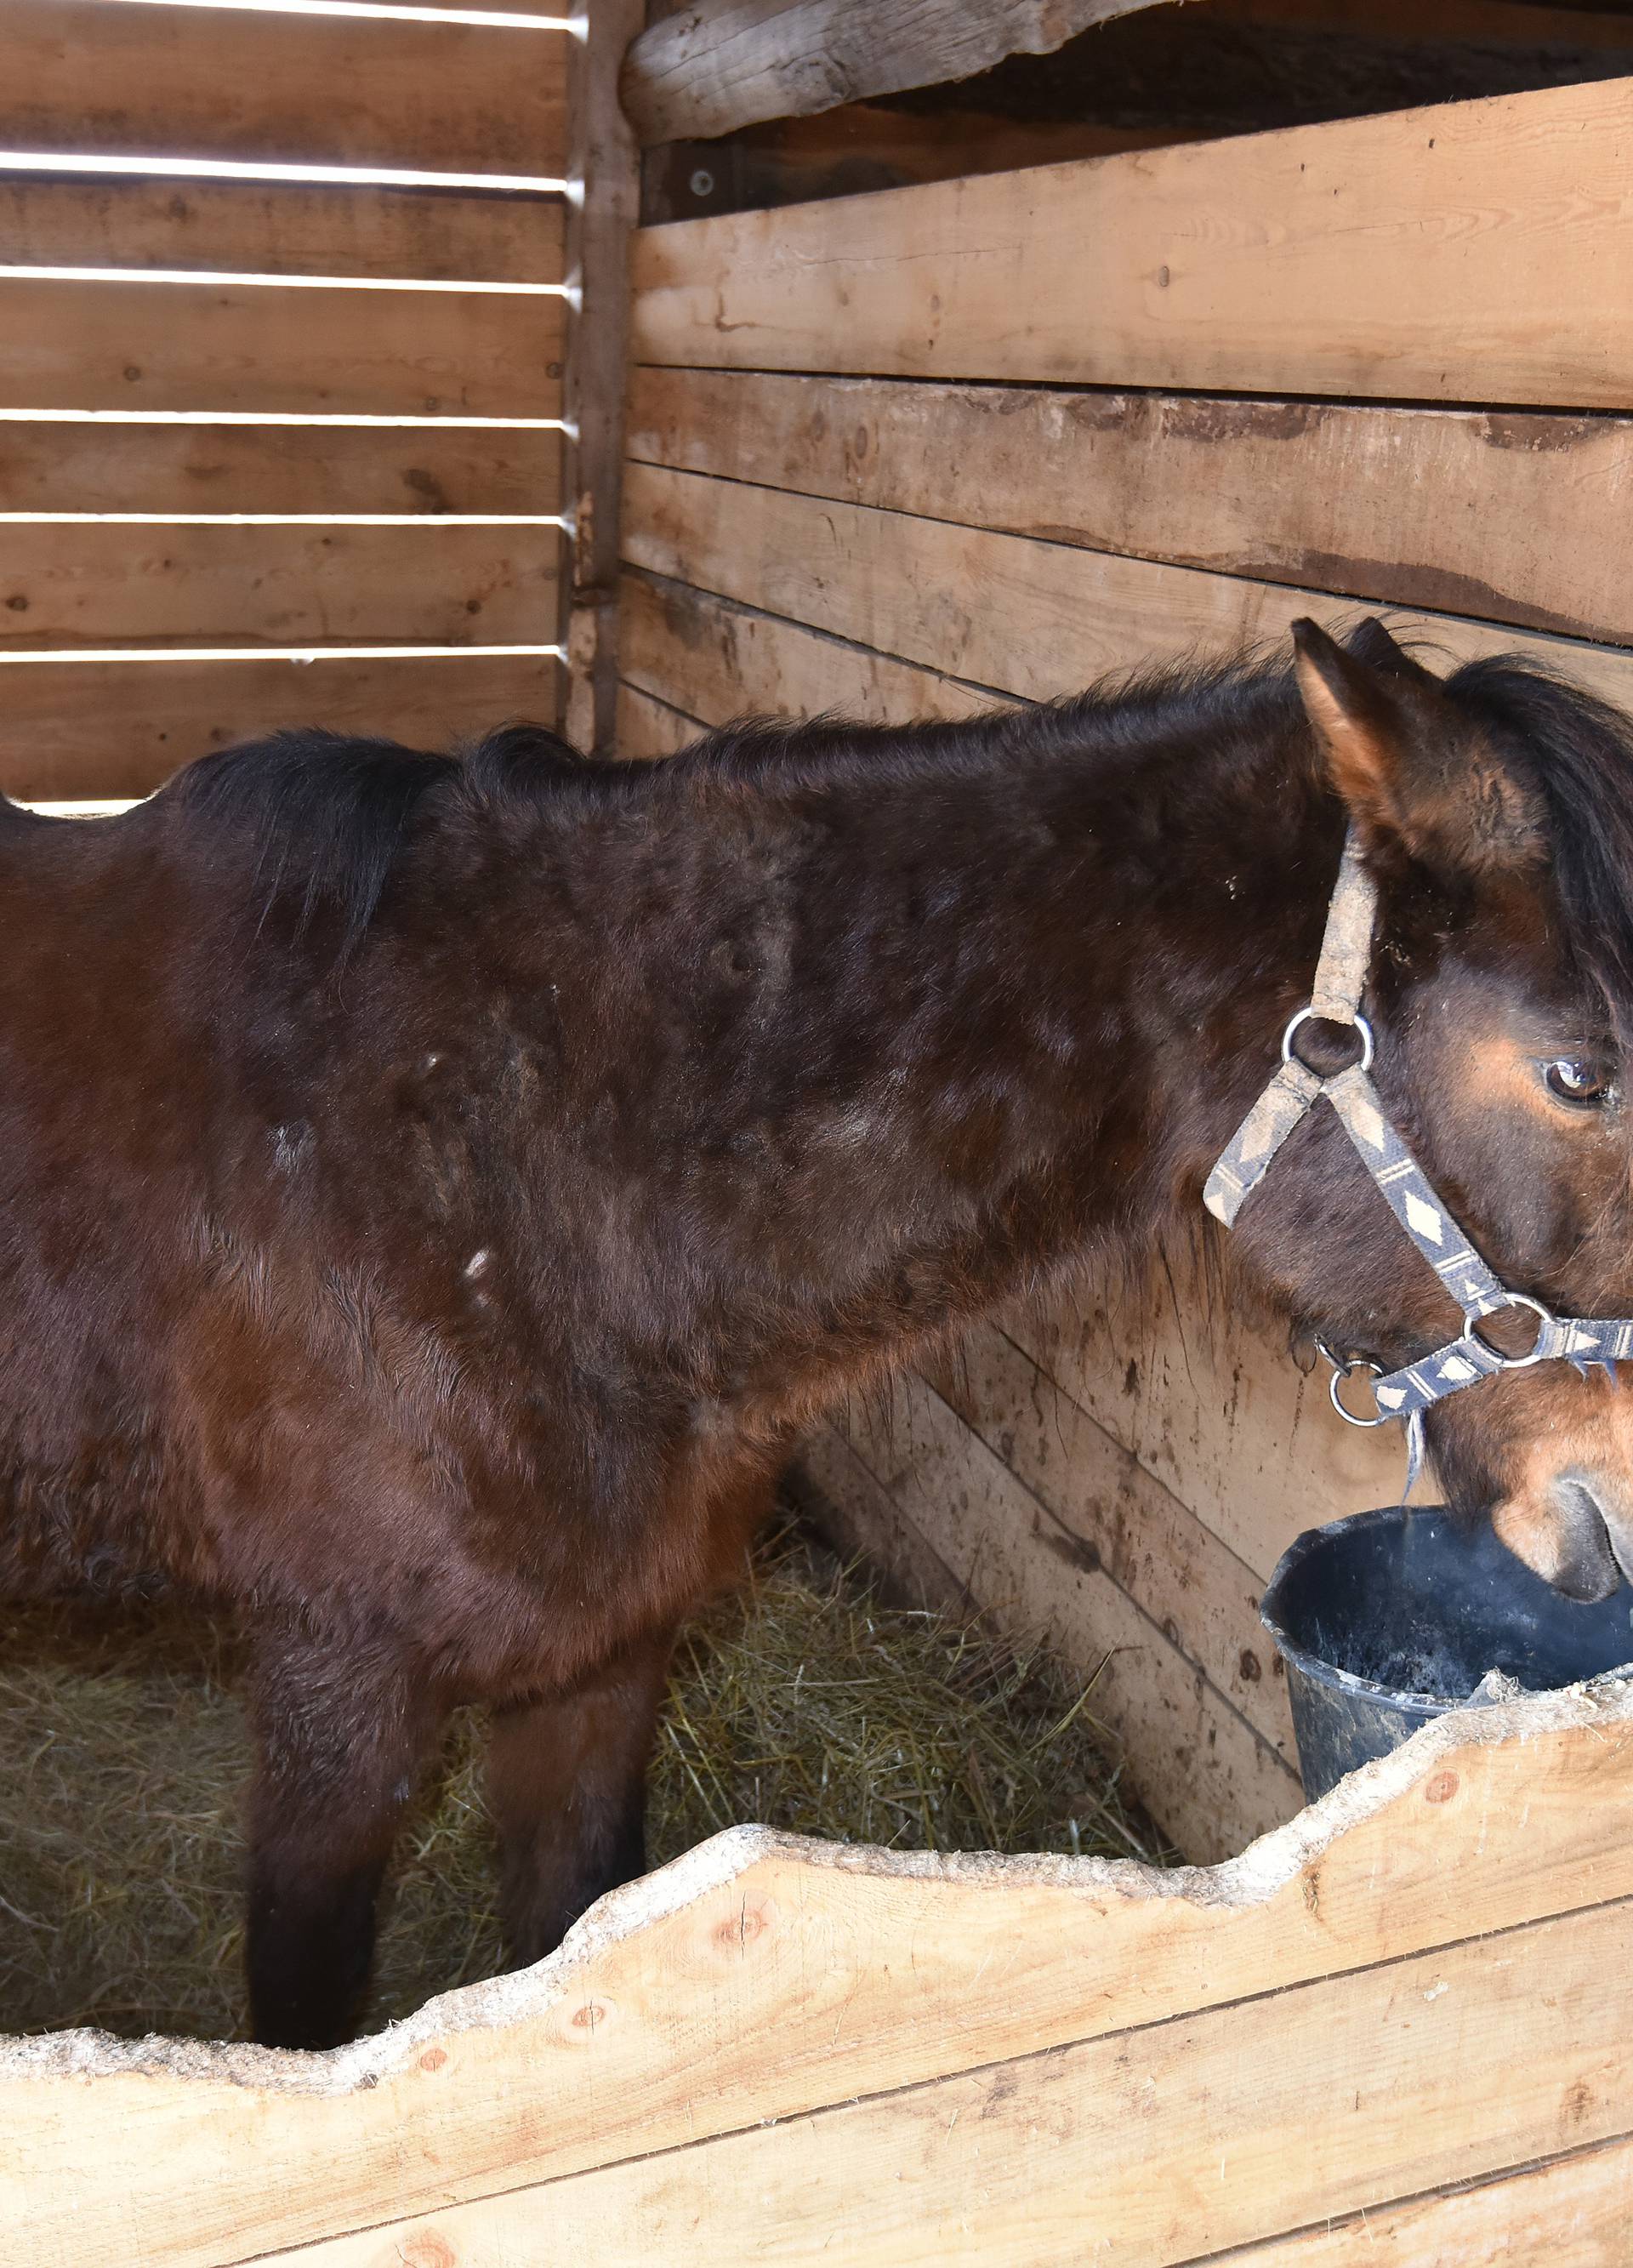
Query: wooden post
[[605, 167]]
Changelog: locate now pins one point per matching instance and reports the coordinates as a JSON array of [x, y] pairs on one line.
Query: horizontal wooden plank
[[289, 229], [1196, 1590], [1208, 1779], [111, 729], [96, 586], [185, 346], [1152, 2148], [182, 468], [1038, 619], [1571, 2212], [648, 728], [870, 1970], [721, 64], [717, 660], [1480, 251], [1512, 516], [335, 90], [721, 661]]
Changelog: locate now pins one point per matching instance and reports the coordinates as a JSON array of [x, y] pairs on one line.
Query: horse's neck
[[1058, 994]]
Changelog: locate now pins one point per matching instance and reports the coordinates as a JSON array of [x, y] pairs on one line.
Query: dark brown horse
[[436, 1193]]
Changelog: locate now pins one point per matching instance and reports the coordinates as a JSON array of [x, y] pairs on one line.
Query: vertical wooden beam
[[605, 166]]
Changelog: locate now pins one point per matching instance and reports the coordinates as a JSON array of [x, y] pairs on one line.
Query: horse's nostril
[[1597, 1542]]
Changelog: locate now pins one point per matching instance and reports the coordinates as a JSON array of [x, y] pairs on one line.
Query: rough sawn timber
[[1032, 618], [74, 730], [1515, 516], [277, 351], [1471, 252], [606, 163], [81, 77], [719, 64], [1406, 1987]]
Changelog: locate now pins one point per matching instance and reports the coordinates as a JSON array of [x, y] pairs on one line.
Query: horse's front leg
[[567, 1786], [339, 1742]]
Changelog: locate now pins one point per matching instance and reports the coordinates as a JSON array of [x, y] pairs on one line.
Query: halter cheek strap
[[1294, 1090]]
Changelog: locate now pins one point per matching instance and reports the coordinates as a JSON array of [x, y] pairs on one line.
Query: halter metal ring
[[1343, 1370], [1358, 1022], [1545, 1319]]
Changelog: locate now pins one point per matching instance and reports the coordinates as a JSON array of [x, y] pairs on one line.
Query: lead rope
[[1292, 1092]]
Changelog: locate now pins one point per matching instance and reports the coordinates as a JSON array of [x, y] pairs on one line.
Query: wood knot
[[426, 2249], [433, 2058], [592, 2015], [1441, 1788], [739, 1930]]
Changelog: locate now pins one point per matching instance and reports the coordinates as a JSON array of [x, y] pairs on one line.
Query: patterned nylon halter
[[1335, 998]]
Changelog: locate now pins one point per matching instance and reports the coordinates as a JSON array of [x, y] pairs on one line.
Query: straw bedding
[[805, 1702]]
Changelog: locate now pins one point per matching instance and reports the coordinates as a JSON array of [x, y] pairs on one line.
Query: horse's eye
[[1581, 1079]]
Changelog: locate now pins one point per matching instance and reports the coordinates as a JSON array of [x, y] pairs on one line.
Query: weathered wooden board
[[1481, 251], [1571, 2212], [721, 64], [1218, 1412], [1203, 1598], [183, 469], [1154, 2148], [1036, 619], [605, 162], [718, 661], [647, 727], [88, 584], [84, 77], [1515, 516], [1202, 1771], [873, 1972], [206, 346], [79, 729], [243, 229]]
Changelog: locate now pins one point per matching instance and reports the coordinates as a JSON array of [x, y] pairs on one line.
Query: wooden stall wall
[[907, 454], [282, 321]]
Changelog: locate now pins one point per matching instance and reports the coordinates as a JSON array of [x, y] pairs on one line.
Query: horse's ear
[[1370, 642], [1416, 774]]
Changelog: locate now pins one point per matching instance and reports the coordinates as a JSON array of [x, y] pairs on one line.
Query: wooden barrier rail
[[105, 81], [1409, 1989], [289, 229]]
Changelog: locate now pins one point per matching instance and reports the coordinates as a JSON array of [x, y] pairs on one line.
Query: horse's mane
[[329, 813]]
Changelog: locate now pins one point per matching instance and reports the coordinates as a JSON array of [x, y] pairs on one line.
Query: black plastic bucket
[[1389, 1618]]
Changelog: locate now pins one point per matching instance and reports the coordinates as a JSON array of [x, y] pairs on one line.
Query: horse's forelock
[[1580, 751]]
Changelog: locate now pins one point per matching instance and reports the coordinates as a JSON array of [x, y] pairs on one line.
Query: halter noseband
[[1335, 998]]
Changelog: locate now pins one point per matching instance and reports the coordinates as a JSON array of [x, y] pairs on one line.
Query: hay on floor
[[805, 1702]]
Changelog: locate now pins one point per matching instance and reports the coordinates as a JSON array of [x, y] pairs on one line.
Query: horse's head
[[1495, 810]]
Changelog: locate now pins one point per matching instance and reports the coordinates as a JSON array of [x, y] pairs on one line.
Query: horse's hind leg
[[567, 1786], [339, 1749]]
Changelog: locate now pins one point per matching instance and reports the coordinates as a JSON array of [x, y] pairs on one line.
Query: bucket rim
[[1402, 1700]]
